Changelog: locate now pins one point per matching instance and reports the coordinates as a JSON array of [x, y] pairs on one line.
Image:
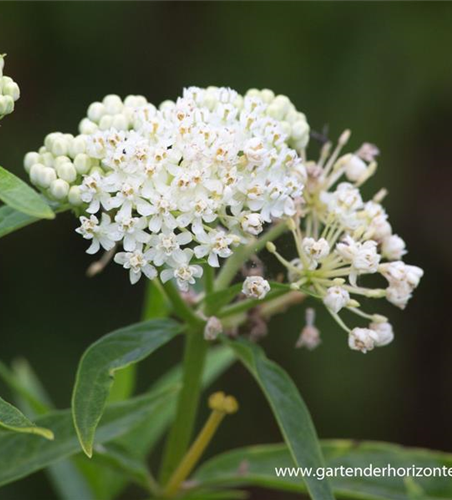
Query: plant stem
[[181, 308], [243, 253], [187, 406]]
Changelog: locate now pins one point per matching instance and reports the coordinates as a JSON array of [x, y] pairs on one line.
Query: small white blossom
[[384, 331], [138, 263], [336, 298], [252, 223], [184, 272], [213, 328], [167, 245], [362, 339], [255, 287], [315, 250], [214, 244], [355, 168], [393, 247], [101, 234]]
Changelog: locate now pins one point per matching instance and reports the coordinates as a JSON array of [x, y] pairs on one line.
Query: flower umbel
[[184, 186]]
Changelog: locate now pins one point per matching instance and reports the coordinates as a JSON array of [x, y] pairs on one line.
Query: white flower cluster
[[178, 184], [9, 91], [340, 238]]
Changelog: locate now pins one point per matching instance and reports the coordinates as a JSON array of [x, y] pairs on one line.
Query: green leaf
[[216, 300], [20, 196], [22, 455], [255, 466], [14, 420], [289, 410], [97, 367], [67, 481]]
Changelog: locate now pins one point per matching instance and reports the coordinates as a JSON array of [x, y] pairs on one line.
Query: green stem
[[187, 406], [242, 254], [181, 308]]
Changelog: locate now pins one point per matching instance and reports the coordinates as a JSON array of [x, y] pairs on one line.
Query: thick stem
[[242, 254], [182, 429]]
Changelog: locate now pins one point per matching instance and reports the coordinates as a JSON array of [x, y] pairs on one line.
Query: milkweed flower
[[180, 186], [205, 173], [342, 241]]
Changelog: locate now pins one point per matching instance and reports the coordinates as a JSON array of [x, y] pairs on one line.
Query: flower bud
[[82, 163], [74, 196], [46, 176], [30, 159], [35, 172], [87, 127], [60, 147], [96, 111], [67, 172], [113, 104], [12, 89], [6, 105], [106, 122], [59, 189]]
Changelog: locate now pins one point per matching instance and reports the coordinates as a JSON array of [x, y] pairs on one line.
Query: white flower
[[252, 223], [362, 339], [355, 168], [92, 191], [315, 250], [138, 263], [167, 245], [214, 244], [363, 257], [345, 200], [131, 231], [398, 273], [213, 328], [336, 298], [393, 247], [309, 338], [184, 273], [255, 287], [384, 331], [102, 235]]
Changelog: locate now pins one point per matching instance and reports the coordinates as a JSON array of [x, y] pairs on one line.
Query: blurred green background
[[382, 69]]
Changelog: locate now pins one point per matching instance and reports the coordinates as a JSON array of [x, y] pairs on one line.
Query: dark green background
[[382, 69]]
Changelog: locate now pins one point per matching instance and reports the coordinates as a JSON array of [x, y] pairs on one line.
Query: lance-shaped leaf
[[14, 420], [264, 466], [289, 410], [22, 455], [20, 196], [97, 367]]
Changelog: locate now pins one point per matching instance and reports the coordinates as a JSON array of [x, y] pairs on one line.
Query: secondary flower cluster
[[9, 91], [340, 239], [189, 180]]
